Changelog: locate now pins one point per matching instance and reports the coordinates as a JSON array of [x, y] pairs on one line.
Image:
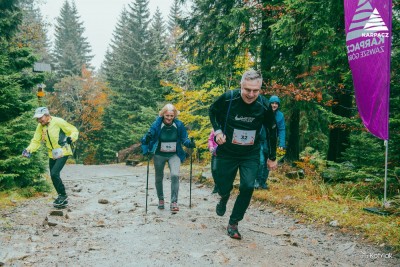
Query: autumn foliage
[[81, 101]]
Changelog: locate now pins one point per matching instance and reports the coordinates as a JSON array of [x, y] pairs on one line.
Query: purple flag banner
[[368, 41]]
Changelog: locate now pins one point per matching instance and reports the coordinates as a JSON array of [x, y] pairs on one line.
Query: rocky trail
[[106, 225]]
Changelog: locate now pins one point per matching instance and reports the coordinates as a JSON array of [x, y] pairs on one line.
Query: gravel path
[[106, 225]]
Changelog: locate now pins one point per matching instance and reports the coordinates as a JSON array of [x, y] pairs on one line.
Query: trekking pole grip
[[192, 148]]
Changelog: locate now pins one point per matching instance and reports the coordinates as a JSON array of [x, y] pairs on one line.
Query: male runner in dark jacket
[[237, 117]]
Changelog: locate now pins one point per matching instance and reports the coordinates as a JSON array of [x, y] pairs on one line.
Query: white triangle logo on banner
[[375, 23], [365, 19]]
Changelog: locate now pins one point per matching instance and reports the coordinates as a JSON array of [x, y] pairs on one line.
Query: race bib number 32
[[243, 137]]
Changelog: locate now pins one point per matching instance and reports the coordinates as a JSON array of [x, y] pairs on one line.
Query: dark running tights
[[56, 166]]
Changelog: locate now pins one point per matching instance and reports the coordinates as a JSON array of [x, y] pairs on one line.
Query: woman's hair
[[168, 107]]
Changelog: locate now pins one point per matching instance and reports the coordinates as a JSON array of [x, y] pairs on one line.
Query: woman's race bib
[[57, 153], [243, 137], [168, 147]]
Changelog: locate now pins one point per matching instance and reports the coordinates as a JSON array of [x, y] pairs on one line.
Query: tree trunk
[[339, 138], [267, 53], [293, 149], [266, 49]]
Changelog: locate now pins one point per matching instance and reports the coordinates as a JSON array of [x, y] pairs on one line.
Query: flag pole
[[386, 163]]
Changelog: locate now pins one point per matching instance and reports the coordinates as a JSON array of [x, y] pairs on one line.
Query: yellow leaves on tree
[[193, 106]]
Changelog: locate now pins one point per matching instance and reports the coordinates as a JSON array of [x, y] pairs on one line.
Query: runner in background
[[212, 147], [263, 171], [165, 138]]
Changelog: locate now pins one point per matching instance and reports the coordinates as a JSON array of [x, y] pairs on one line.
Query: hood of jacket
[[276, 99]]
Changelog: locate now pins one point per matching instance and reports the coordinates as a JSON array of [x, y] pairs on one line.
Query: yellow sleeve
[[36, 140], [69, 129]]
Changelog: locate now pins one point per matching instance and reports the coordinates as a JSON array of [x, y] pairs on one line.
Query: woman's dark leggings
[[56, 166]]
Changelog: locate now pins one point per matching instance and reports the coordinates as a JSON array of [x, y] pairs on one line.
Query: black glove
[[192, 144], [69, 140], [147, 139]]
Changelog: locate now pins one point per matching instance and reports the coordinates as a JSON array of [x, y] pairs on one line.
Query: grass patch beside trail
[[312, 201], [11, 198], [315, 202]]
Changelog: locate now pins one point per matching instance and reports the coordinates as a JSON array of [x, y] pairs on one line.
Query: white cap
[[39, 112]]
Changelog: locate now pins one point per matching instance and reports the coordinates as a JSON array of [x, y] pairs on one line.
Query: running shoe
[[174, 207], [61, 201], [161, 204], [233, 231], [221, 206]]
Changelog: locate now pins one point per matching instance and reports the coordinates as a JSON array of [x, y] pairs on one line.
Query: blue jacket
[[281, 128], [280, 122], [154, 132]]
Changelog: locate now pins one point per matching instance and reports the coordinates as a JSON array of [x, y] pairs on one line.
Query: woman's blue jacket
[[154, 133]]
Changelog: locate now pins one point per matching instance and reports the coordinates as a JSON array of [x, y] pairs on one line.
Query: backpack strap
[[227, 113], [47, 130]]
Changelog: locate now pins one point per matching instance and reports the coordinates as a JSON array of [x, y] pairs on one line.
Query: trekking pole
[[191, 165], [147, 179]]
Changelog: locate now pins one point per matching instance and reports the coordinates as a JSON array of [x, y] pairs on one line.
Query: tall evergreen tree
[[175, 14], [131, 70], [114, 55], [174, 70], [219, 35], [115, 135], [157, 50], [139, 41], [32, 30], [71, 48], [16, 103]]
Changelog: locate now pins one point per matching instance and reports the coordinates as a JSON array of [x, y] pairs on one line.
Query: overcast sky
[[99, 18]]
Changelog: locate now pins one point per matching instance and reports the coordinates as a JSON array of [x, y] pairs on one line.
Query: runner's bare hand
[[272, 164], [220, 138]]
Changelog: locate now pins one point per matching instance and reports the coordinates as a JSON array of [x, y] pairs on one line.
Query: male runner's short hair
[[251, 75]]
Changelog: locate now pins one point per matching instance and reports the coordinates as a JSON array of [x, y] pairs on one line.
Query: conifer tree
[[16, 103], [175, 13], [113, 136], [217, 33], [32, 30], [129, 69], [176, 66], [71, 48], [157, 50]]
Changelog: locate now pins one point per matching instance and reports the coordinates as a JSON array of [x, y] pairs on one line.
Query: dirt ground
[[106, 225]]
